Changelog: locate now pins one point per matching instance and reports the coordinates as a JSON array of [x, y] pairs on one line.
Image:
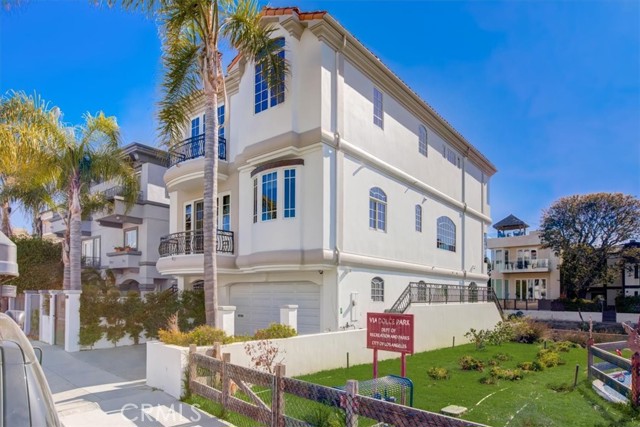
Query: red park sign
[[390, 332]]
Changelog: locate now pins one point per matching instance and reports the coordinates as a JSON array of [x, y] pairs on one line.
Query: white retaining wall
[[435, 327], [573, 315]]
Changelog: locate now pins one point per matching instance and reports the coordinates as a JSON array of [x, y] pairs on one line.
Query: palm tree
[[192, 31], [69, 160]]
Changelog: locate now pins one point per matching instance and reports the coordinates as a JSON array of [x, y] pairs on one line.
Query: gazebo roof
[[510, 223]]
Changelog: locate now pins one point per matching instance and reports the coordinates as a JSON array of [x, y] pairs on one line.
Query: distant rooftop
[[511, 222]]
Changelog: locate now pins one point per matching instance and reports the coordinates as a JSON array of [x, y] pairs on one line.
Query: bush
[[438, 373], [548, 358], [506, 374], [502, 332], [469, 363], [40, 264], [575, 304], [628, 304], [275, 330], [529, 331], [493, 362], [503, 357], [488, 380], [534, 366], [563, 346], [201, 335]]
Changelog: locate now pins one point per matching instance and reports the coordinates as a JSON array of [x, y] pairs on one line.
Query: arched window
[[377, 289], [446, 234], [422, 140], [418, 218], [377, 209]]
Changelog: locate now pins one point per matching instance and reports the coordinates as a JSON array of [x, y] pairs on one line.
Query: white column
[[226, 319], [289, 316], [71, 320], [28, 309], [41, 325], [52, 316]]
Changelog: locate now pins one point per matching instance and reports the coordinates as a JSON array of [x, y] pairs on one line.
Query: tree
[[585, 230], [69, 160], [192, 31]]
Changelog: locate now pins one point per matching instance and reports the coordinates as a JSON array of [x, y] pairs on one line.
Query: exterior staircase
[[433, 293]]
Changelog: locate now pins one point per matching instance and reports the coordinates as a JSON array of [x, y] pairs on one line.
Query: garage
[[258, 305]]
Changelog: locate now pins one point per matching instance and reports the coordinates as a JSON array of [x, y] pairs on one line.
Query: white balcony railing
[[522, 266]]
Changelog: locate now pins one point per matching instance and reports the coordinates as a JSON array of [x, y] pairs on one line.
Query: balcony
[[124, 260], [90, 262], [192, 242], [536, 265], [192, 148]]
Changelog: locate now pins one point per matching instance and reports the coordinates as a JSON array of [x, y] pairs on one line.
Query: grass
[[544, 398]]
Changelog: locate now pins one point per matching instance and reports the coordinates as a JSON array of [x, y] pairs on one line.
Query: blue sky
[[548, 91]]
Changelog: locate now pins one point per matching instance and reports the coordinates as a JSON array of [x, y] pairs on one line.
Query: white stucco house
[[106, 234], [334, 195]]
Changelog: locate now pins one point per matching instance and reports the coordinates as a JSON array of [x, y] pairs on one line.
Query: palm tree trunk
[[65, 261], [5, 227], [210, 204], [75, 238]]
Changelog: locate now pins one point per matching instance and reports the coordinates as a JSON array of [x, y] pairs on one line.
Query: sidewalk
[[106, 388]]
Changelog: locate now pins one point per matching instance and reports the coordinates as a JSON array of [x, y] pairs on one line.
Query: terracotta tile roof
[[280, 11]]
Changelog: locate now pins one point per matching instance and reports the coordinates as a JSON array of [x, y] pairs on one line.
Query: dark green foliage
[[628, 304], [489, 380], [40, 264], [158, 307], [506, 374], [275, 330], [325, 416], [470, 363], [191, 309]]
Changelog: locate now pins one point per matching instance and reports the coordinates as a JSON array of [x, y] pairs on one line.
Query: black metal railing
[[90, 262], [117, 191], [192, 242], [192, 148], [432, 293]]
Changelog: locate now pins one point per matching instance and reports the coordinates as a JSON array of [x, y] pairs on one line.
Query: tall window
[[225, 220], [419, 218], [255, 200], [451, 155], [377, 209], [221, 121], [269, 196], [290, 193], [378, 110], [422, 140], [446, 234], [264, 96], [195, 127], [377, 289]]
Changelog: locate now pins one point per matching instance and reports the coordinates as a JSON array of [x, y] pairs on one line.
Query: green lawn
[[527, 402]]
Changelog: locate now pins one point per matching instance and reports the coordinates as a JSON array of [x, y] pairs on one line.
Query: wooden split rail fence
[[275, 400]]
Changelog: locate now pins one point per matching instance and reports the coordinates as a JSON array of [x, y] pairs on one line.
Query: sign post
[[390, 332]]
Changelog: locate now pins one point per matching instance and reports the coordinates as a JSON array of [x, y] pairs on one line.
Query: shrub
[[438, 373], [275, 330], [563, 346], [478, 337], [469, 363], [502, 332], [531, 366], [488, 380], [503, 357], [493, 362], [548, 358], [506, 374], [40, 264], [628, 304], [201, 335], [529, 331]]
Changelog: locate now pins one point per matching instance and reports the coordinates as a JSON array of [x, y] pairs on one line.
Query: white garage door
[[258, 305]]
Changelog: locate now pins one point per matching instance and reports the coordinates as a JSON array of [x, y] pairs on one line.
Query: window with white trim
[[195, 126], [265, 96], [446, 234], [289, 193], [377, 289], [378, 108], [255, 200], [131, 238], [451, 155], [422, 140], [377, 209], [269, 196], [419, 218]]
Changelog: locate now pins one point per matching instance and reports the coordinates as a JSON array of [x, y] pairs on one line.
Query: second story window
[[289, 193], [446, 234], [131, 238], [195, 127], [377, 289], [377, 209], [378, 108], [422, 141], [265, 96], [269, 196], [451, 155], [419, 218]]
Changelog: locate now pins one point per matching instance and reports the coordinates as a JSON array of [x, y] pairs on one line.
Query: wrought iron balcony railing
[[117, 191], [192, 242], [192, 148], [90, 262], [430, 293]]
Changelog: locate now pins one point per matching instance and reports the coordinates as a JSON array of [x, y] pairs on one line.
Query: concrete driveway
[[107, 388]]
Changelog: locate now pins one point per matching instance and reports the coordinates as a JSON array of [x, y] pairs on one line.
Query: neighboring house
[[126, 242], [334, 195], [626, 277], [521, 268]]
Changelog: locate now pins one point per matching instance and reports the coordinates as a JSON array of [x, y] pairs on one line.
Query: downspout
[[339, 194]]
